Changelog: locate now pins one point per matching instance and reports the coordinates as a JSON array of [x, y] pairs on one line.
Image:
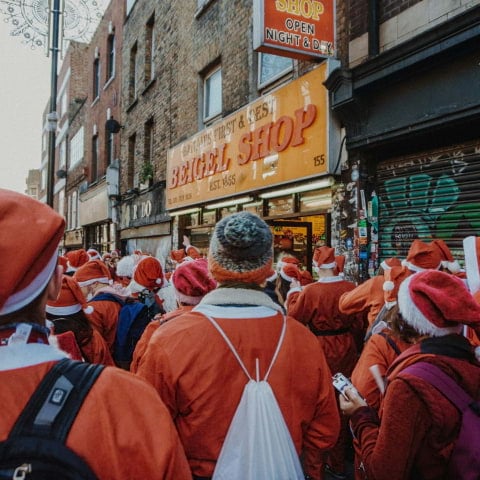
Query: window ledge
[[109, 81], [201, 9], [149, 85], [132, 105]]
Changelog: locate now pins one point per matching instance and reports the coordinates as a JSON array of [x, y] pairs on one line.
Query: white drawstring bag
[[258, 445]]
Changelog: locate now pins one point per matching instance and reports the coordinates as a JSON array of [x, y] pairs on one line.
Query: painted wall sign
[[279, 138], [302, 29]]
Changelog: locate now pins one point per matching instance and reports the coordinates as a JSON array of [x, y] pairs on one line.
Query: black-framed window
[[150, 50], [133, 77], [110, 56]]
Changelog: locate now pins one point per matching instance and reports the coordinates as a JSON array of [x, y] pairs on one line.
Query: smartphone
[[341, 383]]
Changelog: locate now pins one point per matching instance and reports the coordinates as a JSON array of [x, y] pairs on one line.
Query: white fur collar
[[26, 355]]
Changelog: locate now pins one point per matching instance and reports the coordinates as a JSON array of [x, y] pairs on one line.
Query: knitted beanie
[[241, 249]]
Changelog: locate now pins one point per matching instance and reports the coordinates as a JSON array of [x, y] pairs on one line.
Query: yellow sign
[[279, 138]]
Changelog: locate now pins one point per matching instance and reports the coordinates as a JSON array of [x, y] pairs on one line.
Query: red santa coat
[[150, 329], [418, 424], [201, 382], [105, 318], [317, 307], [368, 296], [122, 430]]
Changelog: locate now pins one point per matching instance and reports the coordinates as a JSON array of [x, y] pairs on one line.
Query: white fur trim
[[105, 280], [28, 354], [285, 276], [454, 266], [67, 310], [385, 265], [20, 299], [415, 318], [388, 286], [390, 305], [334, 279], [189, 300], [328, 265], [89, 309], [471, 263], [414, 268]]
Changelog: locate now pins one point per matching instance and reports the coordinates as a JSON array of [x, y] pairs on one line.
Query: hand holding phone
[[341, 383]]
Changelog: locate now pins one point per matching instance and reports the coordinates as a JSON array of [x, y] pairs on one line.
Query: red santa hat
[[324, 257], [393, 278], [191, 281], [76, 258], [423, 256], [290, 271], [92, 272], [305, 278], [436, 303], [178, 255], [192, 252], [471, 248], [148, 274], [389, 263], [63, 262], [340, 264], [287, 260], [448, 261], [70, 300], [37, 229], [93, 254]]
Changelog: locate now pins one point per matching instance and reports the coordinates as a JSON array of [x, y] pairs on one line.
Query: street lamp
[[47, 23]]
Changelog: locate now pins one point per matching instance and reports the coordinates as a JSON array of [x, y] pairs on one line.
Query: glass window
[[110, 56], [94, 158], [96, 78], [75, 219], [271, 67], [315, 200], [62, 154], [109, 147], [280, 205], [76, 148], [133, 87], [148, 147], [130, 4], [212, 92], [149, 50], [131, 160]]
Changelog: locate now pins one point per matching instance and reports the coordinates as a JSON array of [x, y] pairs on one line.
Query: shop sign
[[146, 209], [303, 29], [279, 138]]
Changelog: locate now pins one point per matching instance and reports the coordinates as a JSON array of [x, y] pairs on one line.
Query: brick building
[[194, 89], [407, 97]]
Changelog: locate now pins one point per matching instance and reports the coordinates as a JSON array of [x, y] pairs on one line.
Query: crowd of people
[[168, 415]]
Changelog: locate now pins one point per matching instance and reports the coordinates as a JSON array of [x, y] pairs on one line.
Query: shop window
[[209, 217], [226, 211], [254, 207], [281, 205], [212, 95], [272, 67]]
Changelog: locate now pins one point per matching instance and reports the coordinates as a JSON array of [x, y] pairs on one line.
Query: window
[[110, 56], [212, 94], [150, 51], [76, 148], [272, 67], [130, 4], [149, 135], [96, 78], [133, 87], [131, 160], [109, 147], [74, 220], [62, 154], [61, 202], [94, 158]]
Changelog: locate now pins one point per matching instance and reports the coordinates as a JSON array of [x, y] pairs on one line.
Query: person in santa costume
[[191, 282], [67, 313], [75, 259], [199, 378], [414, 434], [368, 296], [114, 445], [316, 306], [94, 279]]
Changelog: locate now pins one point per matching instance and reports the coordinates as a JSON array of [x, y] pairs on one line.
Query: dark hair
[[399, 326]]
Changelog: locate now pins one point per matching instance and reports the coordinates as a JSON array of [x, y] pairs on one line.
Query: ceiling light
[[185, 211], [323, 183]]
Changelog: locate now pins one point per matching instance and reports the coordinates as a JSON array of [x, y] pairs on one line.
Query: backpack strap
[[391, 342], [237, 356], [105, 296], [442, 382], [52, 408]]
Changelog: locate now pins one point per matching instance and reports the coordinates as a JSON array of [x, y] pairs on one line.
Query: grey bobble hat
[[241, 249]]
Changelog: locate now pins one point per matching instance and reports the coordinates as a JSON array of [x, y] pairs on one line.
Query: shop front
[[275, 157]]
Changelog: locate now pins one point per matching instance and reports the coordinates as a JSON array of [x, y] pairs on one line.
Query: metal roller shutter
[[426, 196]]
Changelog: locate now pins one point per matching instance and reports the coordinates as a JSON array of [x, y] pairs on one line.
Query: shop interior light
[[185, 211], [229, 203], [323, 183]]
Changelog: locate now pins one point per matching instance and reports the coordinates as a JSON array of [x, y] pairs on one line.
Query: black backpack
[[35, 448], [134, 316]]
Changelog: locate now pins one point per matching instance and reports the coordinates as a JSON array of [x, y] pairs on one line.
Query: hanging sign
[[303, 29]]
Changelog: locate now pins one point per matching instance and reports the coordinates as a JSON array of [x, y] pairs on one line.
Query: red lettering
[[189, 171], [222, 162], [198, 168], [304, 118], [210, 166], [174, 177], [244, 149], [276, 143], [261, 140], [183, 174]]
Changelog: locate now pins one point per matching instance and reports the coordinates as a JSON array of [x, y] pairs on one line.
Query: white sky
[[24, 93]]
